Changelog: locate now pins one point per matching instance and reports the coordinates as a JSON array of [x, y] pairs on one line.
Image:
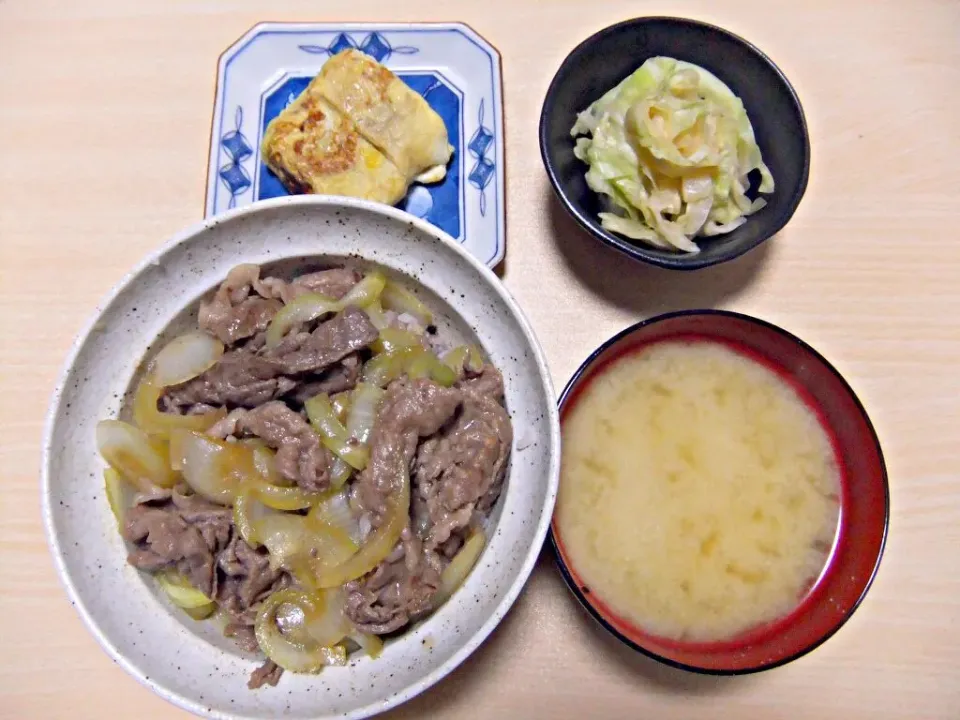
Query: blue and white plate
[[456, 71]]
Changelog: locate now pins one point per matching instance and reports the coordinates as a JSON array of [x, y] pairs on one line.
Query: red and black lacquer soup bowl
[[864, 502]]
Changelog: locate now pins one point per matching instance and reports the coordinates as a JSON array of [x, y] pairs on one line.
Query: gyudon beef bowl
[[301, 462]]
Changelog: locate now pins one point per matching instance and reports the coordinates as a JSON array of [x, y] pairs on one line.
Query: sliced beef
[[256, 343], [459, 471], [333, 283], [240, 378], [199, 409], [267, 674], [248, 580], [345, 334], [340, 378], [300, 456], [236, 322], [234, 314], [400, 589], [453, 441], [227, 426], [197, 510], [248, 378], [409, 410], [271, 287], [185, 533], [243, 636], [488, 382]]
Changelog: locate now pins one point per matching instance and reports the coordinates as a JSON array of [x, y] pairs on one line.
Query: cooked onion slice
[[185, 357], [335, 511], [113, 483], [149, 419], [305, 308], [464, 357], [397, 298], [213, 468], [413, 362], [392, 339], [377, 316], [263, 462], [426, 365], [220, 471], [378, 544], [181, 592], [386, 367], [310, 306], [246, 510], [340, 472], [365, 292], [327, 625], [333, 434], [201, 613], [294, 646], [341, 405], [371, 644], [295, 542], [279, 497], [459, 568], [273, 490], [285, 536], [365, 400], [130, 452]]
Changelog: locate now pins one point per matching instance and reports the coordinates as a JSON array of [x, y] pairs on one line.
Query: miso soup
[[699, 493]]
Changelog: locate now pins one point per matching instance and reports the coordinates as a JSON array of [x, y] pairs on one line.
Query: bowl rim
[[600, 618], [640, 252], [507, 598]]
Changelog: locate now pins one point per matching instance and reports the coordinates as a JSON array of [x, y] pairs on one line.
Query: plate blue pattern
[[374, 44], [453, 68]]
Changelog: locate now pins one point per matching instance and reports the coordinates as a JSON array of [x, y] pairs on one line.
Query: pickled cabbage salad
[[670, 148]]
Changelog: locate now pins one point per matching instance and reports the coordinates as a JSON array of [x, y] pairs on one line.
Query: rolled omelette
[[313, 148], [398, 121], [357, 130]]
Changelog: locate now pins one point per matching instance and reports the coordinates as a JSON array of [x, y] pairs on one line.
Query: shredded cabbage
[[671, 147]]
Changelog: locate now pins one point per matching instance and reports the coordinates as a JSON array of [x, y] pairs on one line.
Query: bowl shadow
[[655, 676], [644, 289], [447, 695], [450, 693]]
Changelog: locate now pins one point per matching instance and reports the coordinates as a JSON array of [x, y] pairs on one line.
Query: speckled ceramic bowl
[[187, 662]]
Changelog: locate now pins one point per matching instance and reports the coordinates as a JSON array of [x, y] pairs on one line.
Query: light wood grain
[[104, 123]]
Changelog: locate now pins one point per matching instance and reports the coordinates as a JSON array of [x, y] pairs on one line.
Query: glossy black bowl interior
[[601, 61]]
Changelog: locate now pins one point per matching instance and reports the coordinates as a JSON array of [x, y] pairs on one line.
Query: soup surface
[[699, 494]]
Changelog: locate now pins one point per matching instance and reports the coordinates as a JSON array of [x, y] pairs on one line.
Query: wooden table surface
[[104, 124]]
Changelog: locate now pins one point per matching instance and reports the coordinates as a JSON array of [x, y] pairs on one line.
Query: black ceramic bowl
[[601, 61]]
